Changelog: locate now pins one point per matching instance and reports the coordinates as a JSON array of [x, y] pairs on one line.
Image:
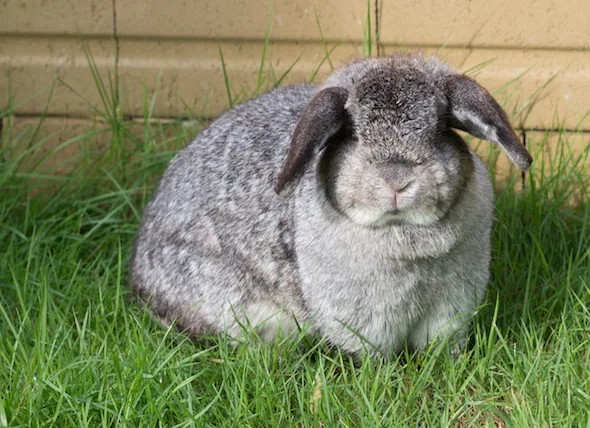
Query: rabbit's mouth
[[393, 210], [398, 215]]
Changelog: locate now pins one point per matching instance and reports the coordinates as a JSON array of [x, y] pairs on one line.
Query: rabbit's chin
[[376, 218]]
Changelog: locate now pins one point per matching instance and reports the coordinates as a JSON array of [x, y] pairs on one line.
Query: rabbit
[[351, 207]]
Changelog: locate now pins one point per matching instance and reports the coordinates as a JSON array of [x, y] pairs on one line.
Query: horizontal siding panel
[[552, 87], [187, 73], [341, 20], [243, 19], [30, 66], [460, 23], [489, 23], [31, 17]]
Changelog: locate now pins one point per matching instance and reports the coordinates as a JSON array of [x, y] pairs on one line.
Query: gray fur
[[386, 236]]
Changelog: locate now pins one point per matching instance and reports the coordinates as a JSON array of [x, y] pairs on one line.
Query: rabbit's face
[[376, 191], [387, 151], [400, 164]]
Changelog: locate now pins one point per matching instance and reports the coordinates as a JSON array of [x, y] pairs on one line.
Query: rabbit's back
[[216, 239]]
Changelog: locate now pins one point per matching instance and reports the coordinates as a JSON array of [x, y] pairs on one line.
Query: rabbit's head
[[383, 134]]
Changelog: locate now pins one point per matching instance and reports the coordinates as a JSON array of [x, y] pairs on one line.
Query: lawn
[[76, 350]]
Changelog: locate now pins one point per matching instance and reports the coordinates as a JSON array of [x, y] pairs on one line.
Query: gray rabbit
[[351, 206]]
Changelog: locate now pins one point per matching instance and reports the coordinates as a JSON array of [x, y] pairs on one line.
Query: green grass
[[76, 351]]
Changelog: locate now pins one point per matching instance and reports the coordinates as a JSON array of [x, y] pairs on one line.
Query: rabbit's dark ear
[[472, 109], [322, 118]]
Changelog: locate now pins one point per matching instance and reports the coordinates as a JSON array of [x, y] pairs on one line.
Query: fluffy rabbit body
[[351, 206]]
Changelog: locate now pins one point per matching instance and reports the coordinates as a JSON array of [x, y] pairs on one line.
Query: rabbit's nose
[[397, 193], [395, 199]]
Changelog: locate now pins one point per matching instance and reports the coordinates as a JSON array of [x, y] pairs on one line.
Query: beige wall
[[541, 46], [178, 40]]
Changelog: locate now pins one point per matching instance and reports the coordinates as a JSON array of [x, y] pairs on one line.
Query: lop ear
[[322, 118], [472, 109]]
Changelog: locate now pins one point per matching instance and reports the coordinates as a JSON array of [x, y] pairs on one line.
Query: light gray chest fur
[[395, 284]]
